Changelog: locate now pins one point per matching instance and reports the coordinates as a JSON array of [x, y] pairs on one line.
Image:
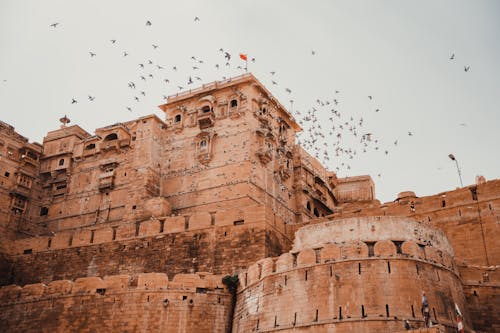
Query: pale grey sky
[[396, 51]]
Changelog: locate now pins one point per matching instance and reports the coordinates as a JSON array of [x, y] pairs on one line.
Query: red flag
[[243, 56]]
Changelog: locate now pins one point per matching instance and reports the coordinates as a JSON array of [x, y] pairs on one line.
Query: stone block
[[103, 235], [88, 285], [149, 227], [174, 224], [199, 221], [152, 281], [59, 287], [60, 240], [158, 206], [33, 290], [81, 237], [188, 280], [306, 258], [117, 282], [412, 249], [284, 262], [385, 248], [330, 252]]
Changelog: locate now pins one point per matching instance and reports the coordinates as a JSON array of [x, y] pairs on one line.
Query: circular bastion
[[363, 274]]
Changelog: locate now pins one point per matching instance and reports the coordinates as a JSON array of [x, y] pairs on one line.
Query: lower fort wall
[[122, 303]]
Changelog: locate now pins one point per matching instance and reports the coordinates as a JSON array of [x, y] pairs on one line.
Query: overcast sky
[[398, 52]]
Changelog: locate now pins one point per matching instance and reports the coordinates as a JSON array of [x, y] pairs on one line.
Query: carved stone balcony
[[206, 119], [106, 181]]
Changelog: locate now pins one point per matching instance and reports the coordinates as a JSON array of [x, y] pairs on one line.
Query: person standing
[[426, 311]]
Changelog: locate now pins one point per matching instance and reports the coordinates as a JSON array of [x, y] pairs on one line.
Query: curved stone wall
[[120, 303], [350, 286]]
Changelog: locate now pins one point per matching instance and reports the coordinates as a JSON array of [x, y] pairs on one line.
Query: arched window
[[61, 161], [308, 206], [234, 103], [178, 118], [111, 137], [203, 143], [316, 212], [90, 146], [206, 109]]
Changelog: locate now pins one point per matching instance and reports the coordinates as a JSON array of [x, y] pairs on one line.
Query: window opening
[[111, 137], [234, 103]]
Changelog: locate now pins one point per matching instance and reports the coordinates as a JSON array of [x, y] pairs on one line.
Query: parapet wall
[[350, 285], [121, 303], [222, 243]]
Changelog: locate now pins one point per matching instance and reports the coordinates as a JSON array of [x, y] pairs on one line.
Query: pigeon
[[288, 90], [196, 18], [227, 56], [155, 46], [92, 54], [54, 25], [370, 97], [129, 108], [272, 73], [91, 98], [466, 68], [452, 56], [143, 93], [73, 101], [141, 65], [410, 133], [313, 52], [113, 41], [190, 80], [125, 54], [136, 98], [148, 23]]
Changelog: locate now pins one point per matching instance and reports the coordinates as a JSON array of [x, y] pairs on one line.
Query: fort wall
[[352, 285], [120, 303], [220, 243]]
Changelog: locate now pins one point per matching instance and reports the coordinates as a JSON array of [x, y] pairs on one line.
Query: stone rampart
[[121, 303], [350, 285], [221, 243]]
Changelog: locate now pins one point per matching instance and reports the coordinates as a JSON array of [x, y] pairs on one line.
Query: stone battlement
[[345, 252], [115, 284], [155, 226]]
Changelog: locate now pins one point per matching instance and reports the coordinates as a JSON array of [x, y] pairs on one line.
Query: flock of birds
[[335, 142]]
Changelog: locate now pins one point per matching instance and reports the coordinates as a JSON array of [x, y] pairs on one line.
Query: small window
[[203, 143], [206, 109], [61, 162], [178, 118], [234, 103], [308, 206], [316, 212], [90, 146], [6, 174], [111, 137], [44, 211]]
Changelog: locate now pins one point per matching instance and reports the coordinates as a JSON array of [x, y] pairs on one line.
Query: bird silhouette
[[141, 65], [129, 108], [370, 97], [91, 98], [410, 133], [466, 68], [148, 23], [227, 56], [54, 25], [155, 46], [313, 52], [125, 54], [196, 18], [92, 54], [113, 41], [73, 101], [452, 56]]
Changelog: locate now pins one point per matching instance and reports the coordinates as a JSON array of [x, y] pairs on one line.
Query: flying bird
[[125, 54], [113, 41], [148, 23], [410, 133], [288, 90], [141, 65], [129, 108], [91, 98], [73, 101], [155, 46], [92, 54], [370, 97], [196, 18], [54, 25], [272, 73], [466, 68], [227, 56], [452, 56], [313, 52]]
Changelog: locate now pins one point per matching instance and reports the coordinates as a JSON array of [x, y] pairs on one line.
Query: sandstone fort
[[213, 219]]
